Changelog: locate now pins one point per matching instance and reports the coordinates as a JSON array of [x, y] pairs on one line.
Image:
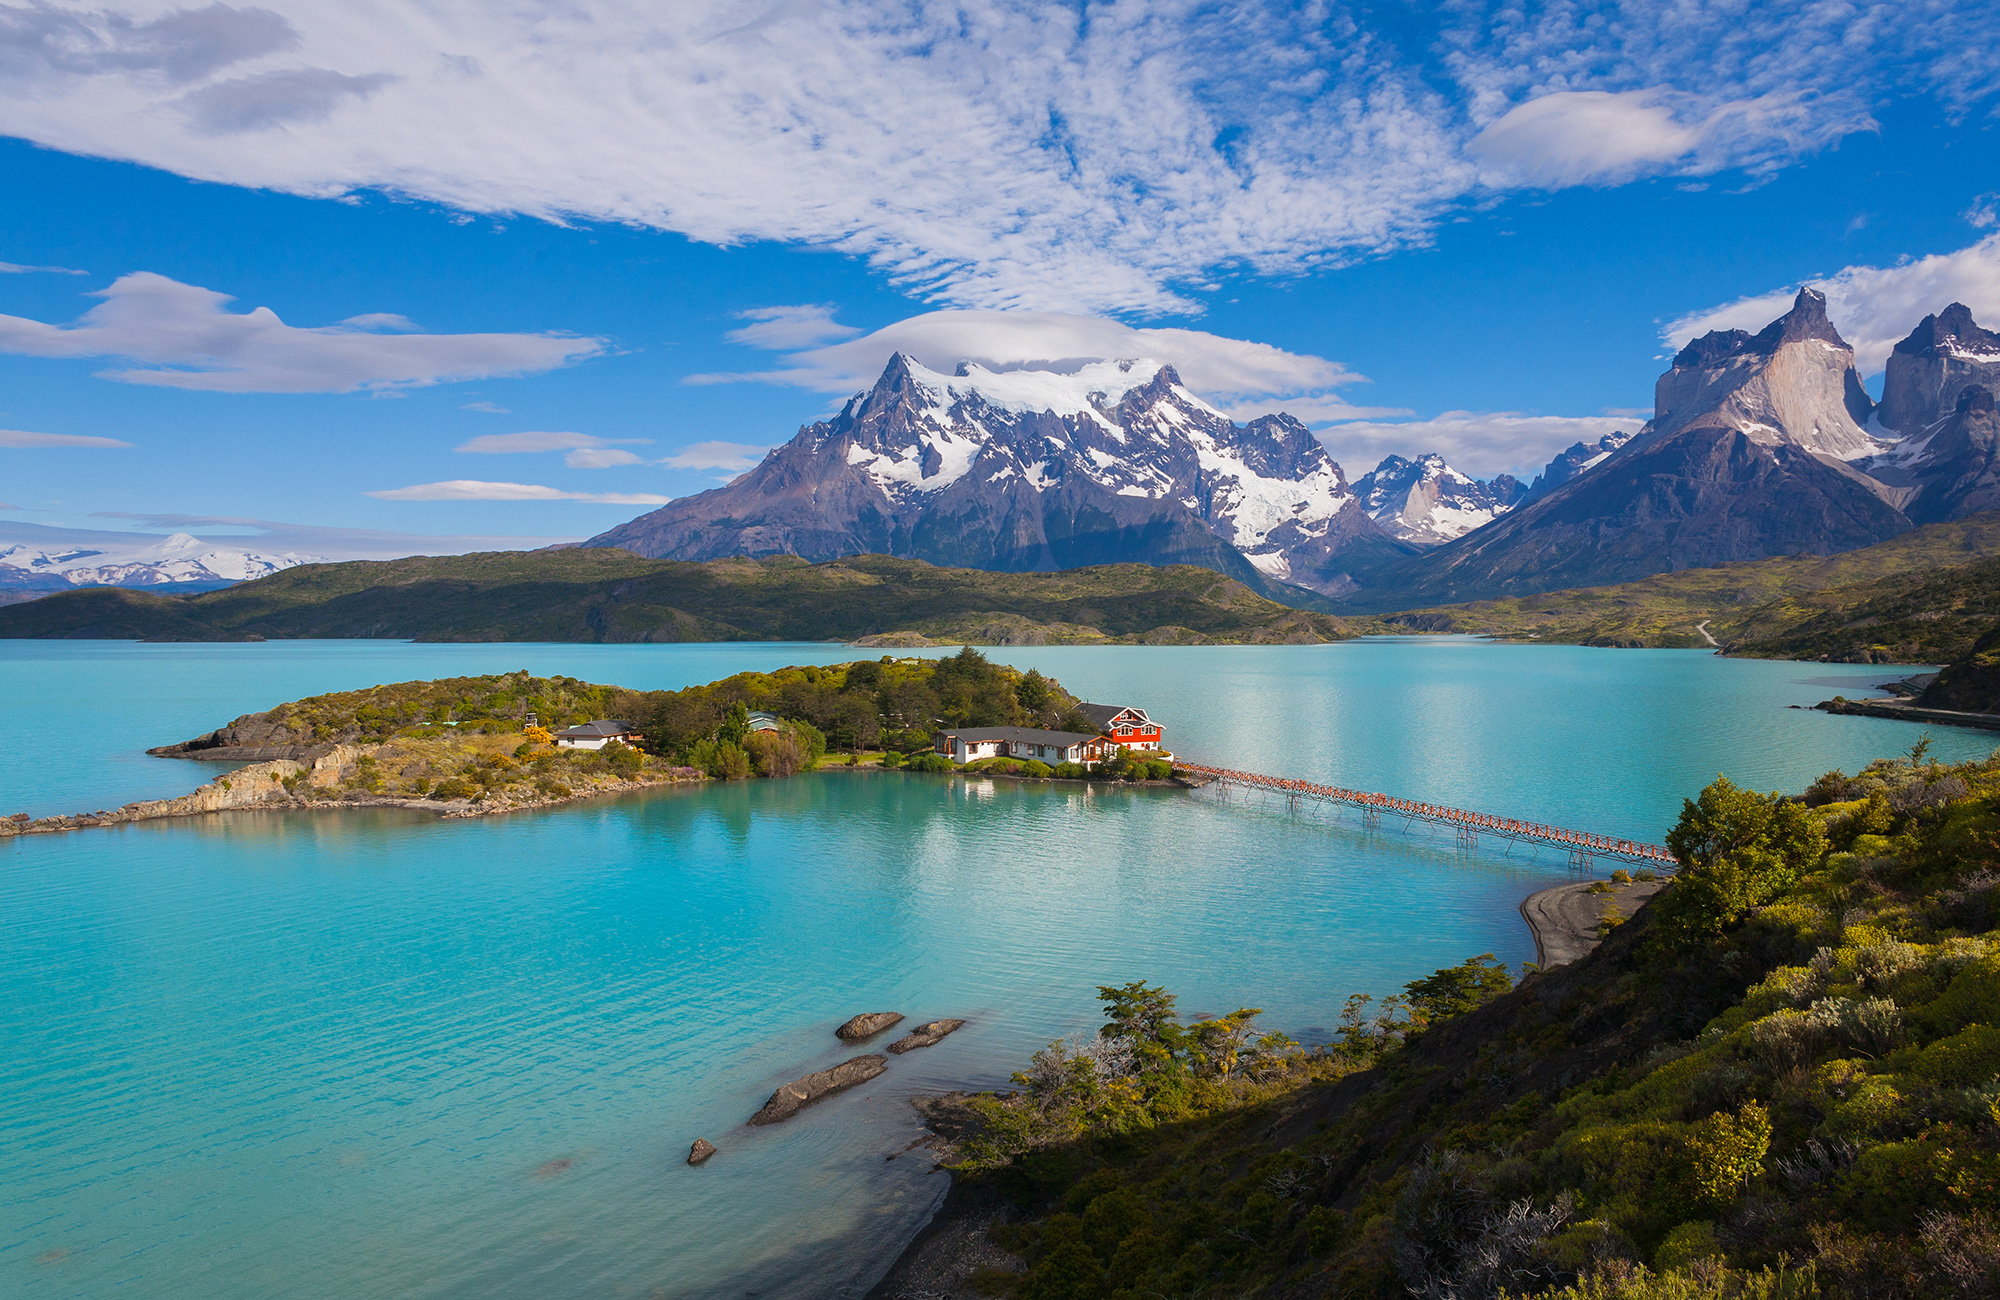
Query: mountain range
[[179, 562]]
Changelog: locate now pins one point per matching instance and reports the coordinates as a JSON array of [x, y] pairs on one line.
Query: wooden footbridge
[[1583, 847]]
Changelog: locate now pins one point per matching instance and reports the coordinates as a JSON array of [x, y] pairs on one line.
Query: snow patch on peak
[[1033, 392]]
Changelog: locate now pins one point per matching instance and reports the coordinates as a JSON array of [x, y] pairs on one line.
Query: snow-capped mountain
[[1426, 502], [1578, 457], [1035, 469], [177, 560], [1758, 447]]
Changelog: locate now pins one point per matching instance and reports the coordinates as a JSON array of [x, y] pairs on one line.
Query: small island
[[475, 746]]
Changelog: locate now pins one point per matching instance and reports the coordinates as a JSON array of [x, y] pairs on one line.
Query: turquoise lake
[[374, 1054]]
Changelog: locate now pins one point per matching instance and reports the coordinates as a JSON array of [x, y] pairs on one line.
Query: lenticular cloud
[[184, 336], [986, 153]]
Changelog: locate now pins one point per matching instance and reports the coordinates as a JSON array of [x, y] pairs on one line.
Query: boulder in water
[[700, 1151], [867, 1024], [796, 1096], [927, 1034]]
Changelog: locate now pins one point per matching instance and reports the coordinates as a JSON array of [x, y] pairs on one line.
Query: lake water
[[371, 1053]]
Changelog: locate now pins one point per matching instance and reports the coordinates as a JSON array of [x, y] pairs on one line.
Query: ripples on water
[[375, 1054]]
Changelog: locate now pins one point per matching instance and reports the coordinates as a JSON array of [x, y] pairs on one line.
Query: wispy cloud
[[488, 407], [466, 489], [997, 153], [507, 444], [183, 336], [1874, 307], [1596, 137], [734, 457], [785, 328], [22, 438], [16, 268], [1480, 443], [1237, 374]]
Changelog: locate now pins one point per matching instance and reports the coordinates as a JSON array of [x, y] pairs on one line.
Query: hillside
[[1922, 597], [1775, 1080], [602, 594]]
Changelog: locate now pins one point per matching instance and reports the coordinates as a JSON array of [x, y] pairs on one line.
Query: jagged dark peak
[[1975, 399], [1806, 320], [1954, 324]]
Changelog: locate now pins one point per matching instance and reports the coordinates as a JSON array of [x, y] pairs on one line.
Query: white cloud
[[16, 268], [505, 444], [1480, 443], [1235, 373], [183, 337], [1874, 307], [785, 328], [992, 153], [599, 458], [467, 489], [732, 456], [8, 506], [22, 438], [1984, 214], [488, 407], [1595, 137]]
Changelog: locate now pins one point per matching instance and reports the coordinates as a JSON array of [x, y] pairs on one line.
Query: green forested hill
[[612, 595], [1923, 597]]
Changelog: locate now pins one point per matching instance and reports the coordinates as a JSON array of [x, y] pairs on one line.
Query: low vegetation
[[1779, 1079], [613, 595], [1923, 597]]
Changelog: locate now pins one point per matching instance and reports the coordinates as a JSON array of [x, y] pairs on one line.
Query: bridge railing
[[1473, 821]]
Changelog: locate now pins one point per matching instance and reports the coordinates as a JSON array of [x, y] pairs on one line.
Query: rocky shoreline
[[288, 784]]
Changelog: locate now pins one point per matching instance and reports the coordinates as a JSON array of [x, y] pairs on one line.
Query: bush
[[1035, 767], [931, 762], [1069, 771], [454, 787]]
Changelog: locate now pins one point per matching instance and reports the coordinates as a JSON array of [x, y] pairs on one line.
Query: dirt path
[[1702, 627], [1564, 919]]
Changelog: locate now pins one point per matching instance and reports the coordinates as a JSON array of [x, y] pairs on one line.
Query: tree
[[1456, 990], [1737, 849]]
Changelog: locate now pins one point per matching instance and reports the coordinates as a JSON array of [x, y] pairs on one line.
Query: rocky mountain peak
[[1426, 502], [1951, 330], [1805, 321], [1930, 369]]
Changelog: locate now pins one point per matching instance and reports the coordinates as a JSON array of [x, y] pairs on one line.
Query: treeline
[[889, 704]]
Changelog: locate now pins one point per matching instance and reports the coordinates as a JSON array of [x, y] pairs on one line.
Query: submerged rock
[[700, 1151], [927, 1034], [796, 1096], [867, 1024]]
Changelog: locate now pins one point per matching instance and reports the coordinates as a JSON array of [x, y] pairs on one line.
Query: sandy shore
[[1564, 920]]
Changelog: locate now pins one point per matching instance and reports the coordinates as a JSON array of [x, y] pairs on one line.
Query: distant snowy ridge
[[148, 562], [1426, 502]]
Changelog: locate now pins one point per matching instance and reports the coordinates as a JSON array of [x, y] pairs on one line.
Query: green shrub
[[1035, 767], [1070, 771], [931, 762], [453, 787], [1688, 1244], [1967, 1058]]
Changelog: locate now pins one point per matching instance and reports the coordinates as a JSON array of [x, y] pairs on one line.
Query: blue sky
[[1471, 230]]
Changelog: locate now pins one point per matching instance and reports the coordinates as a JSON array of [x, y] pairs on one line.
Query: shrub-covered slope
[[611, 595], [1919, 598], [1781, 1078]]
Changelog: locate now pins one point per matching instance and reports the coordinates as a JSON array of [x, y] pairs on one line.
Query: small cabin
[[596, 735], [761, 721]]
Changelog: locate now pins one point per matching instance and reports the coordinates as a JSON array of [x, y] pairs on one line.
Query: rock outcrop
[[928, 1034], [1929, 369], [1028, 470], [797, 1095], [1962, 452], [867, 1025], [700, 1151]]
